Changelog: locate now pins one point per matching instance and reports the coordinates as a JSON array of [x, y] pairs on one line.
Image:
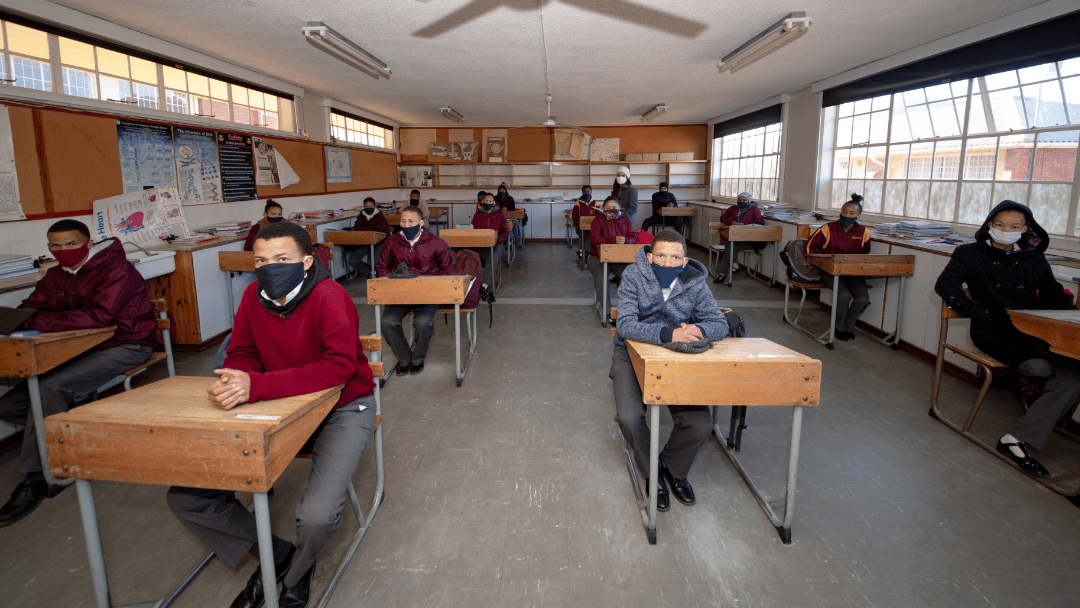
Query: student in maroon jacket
[[613, 227], [369, 220], [271, 215], [584, 206], [489, 216], [744, 212], [93, 286], [423, 253], [845, 235], [296, 332]]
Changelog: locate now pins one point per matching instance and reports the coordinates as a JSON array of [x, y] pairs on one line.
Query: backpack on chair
[[467, 262], [798, 269]]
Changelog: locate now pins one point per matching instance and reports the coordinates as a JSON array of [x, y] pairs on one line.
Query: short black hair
[[855, 200], [296, 232], [69, 226], [669, 236], [586, 186], [369, 199], [414, 192], [612, 198], [270, 204], [415, 210]]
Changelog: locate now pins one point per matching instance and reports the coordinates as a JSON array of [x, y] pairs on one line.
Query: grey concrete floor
[[513, 491]]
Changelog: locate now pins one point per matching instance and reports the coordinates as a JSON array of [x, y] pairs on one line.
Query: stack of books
[[921, 229], [16, 265], [236, 227]]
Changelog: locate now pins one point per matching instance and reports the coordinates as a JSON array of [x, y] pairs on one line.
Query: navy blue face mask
[[411, 232], [743, 204], [277, 280], [585, 197], [488, 208], [666, 274], [274, 220], [847, 222]]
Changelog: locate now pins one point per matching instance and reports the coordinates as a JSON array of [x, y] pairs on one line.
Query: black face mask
[[274, 220], [370, 212], [500, 195], [586, 197], [277, 280], [488, 207], [743, 205], [847, 222], [411, 232]]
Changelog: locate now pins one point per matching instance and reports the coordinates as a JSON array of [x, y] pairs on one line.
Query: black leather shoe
[[416, 370], [663, 499], [401, 370], [297, 597], [841, 335], [679, 487], [26, 497], [719, 278], [1026, 463], [253, 594]]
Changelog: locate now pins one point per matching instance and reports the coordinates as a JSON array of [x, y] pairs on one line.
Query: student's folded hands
[[687, 333], [232, 388]]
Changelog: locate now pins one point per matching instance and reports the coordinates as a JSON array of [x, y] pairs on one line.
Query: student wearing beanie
[[626, 193], [744, 212], [489, 216], [845, 235], [662, 199]]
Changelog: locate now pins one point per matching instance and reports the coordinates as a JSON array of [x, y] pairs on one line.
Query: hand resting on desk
[[687, 333], [232, 388]]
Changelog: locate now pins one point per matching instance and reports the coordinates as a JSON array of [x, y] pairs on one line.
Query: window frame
[[726, 158], [364, 129]]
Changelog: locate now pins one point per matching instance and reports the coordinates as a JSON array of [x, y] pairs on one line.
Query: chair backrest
[[373, 344], [166, 335]]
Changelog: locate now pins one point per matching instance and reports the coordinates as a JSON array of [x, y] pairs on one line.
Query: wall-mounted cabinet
[[647, 175]]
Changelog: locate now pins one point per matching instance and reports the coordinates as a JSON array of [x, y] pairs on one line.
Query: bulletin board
[[370, 170], [306, 158]]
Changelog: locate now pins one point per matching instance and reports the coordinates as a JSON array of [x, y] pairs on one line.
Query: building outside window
[[748, 161]]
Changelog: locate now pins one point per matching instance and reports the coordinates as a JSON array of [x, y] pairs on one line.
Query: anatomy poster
[[198, 170], [146, 155], [10, 205], [338, 165], [271, 168], [145, 217]]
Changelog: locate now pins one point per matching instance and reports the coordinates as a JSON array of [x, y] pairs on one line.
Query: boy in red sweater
[[296, 332], [845, 235], [490, 216], [369, 220], [423, 253], [613, 227]]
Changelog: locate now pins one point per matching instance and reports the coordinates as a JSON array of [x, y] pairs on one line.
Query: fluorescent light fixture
[[452, 114], [780, 34], [329, 41], [656, 110]]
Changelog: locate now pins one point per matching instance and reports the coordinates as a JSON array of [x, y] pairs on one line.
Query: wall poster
[[338, 165], [10, 203], [146, 155], [271, 168], [237, 167], [198, 168], [145, 217]]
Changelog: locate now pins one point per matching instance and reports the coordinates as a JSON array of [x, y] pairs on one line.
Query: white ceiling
[[609, 60]]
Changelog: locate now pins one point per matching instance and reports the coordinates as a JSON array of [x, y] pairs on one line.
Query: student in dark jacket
[[271, 215], [744, 212], [613, 227], [660, 200], [489, 216], [663, 298], [1006, 269], [625, 191], [584, 206], [425, 254], [369, 220], [94, 285], [506, 203], [296, 332], [845, 235]]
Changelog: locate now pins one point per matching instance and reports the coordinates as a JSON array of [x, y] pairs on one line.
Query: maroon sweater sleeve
[[111, 294], [250, 242], [504, 231], [442, 257], [386, 258], [243, 354], [727, 215]]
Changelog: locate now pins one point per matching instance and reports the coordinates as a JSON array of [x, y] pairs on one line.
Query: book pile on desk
[[237, 227], [320, 214], [16, 265], [920, 229]]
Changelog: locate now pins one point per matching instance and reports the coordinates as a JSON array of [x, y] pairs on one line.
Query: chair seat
[[718, 247], [154, 358], [447, 309], [802, 285], [975, 354]]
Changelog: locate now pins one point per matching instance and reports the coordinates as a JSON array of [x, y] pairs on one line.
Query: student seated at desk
[[585, 206], [613, 227], [663, 298], [296, 332], [94, 285], [1006, 269], [625, 191], [506, 203], [660, 200], [490, 216], [414, 200], [271, 215], [425, 254], [845, 235], [744, 212], [369, 220]]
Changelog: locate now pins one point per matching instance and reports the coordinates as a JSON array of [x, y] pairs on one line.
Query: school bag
[[467, 262], [794, 257], [643, 237]]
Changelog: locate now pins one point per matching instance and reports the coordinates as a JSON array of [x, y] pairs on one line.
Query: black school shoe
[[253, 594], [26, 497], [401, 370], [297, 597], [1026, 463], [663, 499], [416, 370], [679, 487]]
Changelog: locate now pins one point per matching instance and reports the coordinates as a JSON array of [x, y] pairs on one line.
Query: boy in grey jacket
[[663, 298]]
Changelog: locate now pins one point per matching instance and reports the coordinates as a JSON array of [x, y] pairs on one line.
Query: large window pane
[[919, 121], [143, 70], [1038, 73], [146, 95], [114, 89], [174, 79], [1055, 156], [860, 129], [31, 74], [25, 41], [239, 95], [977, 121], [980, 158], [1050, 203], [879, 127], [219, 90], [1044, 106], [199, 85], [1001, 80], [80, 83], [875, 162], [943, 117], [947, 160], [113, 63], [1015, 154], [922, 159], [176, 101], [77, 54], [893, 201], [843, 132], [898, 161], [1008, 109]]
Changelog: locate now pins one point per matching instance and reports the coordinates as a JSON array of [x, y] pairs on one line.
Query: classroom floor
[[513, 491]]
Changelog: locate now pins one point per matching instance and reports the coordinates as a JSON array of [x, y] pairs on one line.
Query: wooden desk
[[358, 237], [741, 233], [30, 357], [728, 374], [238, 262], [168, 433], [442, 290], [865, 265], [476, 238], [394, 219], [613, 254], [1061, 328], [585, 226], [684, 211]]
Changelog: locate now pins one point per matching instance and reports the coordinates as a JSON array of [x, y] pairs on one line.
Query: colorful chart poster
[[237, 167], [10, 204], [338, 165], [271, 168], [198, 169], [146, 155], [145, 217]]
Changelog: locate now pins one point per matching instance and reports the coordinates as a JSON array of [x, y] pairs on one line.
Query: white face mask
[[621, 180], [1005, 238]]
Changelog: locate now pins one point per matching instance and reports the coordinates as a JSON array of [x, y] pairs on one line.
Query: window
[[94, 72], [748, 161], [346, 128], [950, 152]]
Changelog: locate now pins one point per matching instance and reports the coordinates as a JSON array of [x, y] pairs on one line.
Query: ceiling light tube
[[788, 29], [452, 114], [329, 41], [656, 110]]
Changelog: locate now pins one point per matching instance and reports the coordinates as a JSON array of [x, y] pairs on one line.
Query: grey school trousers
[[596, 267], [693, 424], [1061, 393], [851, 300], [489, 266], [63, 388], [218, 519], [423, 327]]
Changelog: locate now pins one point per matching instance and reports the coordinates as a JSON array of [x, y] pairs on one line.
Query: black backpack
[[798, 269]]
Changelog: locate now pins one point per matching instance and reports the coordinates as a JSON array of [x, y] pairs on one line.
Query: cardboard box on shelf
[[631, 158], [653, 156], [684, 156], [668, 156]]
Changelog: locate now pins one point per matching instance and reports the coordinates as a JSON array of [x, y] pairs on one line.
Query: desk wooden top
[[437, 212], [735, 371], [394, 219], [217, 241], [516, 214], [751, 232], [620, 254], [1061, 328], [26, 357], [864, 264], [21, 282], [442, 289], [464, 237], [354, 237], [678, 211], [585, 222], [236, 261], [168, 433]]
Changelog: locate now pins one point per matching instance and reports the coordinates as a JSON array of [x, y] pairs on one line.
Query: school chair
[[511, 245], [165, 354], [717, 248]]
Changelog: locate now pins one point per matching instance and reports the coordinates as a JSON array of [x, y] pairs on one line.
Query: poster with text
[[237, 167], [338, 165], [198, 169], [10, 204], [145, 217], [271, 168], [146, 155]]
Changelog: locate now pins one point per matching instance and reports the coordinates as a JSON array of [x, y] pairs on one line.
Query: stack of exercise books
[[16, 265], [919, 229], [237, 227]]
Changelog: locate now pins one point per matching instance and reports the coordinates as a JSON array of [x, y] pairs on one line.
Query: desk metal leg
[[654, 470], [832, 313], [602, 311], [371, 258], [730, 262], [93, 542], [266, 549], [34, 387]]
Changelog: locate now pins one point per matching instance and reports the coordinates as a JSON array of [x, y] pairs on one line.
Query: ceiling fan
[[551, 122]]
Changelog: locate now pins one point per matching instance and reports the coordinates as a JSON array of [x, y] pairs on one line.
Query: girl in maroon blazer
[[490, 216], [271, 215], [613, 227], [845, 235]]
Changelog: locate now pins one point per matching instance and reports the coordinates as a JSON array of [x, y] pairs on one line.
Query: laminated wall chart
[[146, 155], [145, 217], [338, 165], [237, 167], [10, 205], [198, 169]]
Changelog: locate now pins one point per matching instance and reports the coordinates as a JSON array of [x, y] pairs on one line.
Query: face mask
[[1000, 236], [666, 274], [621, 180], [411, 232], [370, 213], [71, 257], [585, 197], [274, 220], [488, 207], [743, 204], [279, 279], [500, 195], [847, 222], [612, 215]]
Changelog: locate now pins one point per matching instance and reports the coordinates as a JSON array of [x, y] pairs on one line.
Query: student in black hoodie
[[662, 199], [1006, 269]]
